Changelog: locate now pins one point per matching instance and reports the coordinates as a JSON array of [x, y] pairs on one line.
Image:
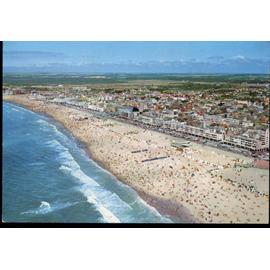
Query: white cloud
[[239, 57]]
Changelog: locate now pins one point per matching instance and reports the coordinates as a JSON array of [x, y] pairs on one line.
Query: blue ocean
[[48, 177]]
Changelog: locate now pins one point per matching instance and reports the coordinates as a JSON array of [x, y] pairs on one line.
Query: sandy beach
[[199, 184]]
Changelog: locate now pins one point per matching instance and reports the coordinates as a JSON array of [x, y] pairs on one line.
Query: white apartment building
[[146, 119], [197, 132], [266, 139], [244, 142], [213, 135], [95, 108]]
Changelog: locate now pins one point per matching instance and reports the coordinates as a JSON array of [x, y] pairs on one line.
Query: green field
[[28, 79]]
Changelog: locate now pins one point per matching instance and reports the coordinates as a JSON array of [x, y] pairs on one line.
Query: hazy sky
[[196, 57]]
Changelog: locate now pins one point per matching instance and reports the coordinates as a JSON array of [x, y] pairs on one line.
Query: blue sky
[[178, 57]]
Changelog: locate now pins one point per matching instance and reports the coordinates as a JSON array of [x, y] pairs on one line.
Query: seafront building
[[246, 143]]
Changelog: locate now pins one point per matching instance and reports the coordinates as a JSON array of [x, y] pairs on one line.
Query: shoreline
[[149, 190]]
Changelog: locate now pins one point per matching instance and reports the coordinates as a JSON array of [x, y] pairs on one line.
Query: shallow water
[[47, 177]]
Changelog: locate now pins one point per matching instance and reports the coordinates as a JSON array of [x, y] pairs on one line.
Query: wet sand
[[198, 184]]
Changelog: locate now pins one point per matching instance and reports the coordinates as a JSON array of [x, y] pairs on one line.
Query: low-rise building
[[244, 142], [128, 112]]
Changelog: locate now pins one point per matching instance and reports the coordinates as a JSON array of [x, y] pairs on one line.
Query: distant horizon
[[131, 73], [137, 57]]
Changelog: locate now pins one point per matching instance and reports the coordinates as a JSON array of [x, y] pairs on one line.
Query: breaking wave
[[92, 190], [46, 207], [13, 109], [19, 108], [108, 204]]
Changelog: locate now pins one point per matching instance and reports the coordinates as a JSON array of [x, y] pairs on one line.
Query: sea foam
[[70, 166], [19, 108], [46, 207]]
